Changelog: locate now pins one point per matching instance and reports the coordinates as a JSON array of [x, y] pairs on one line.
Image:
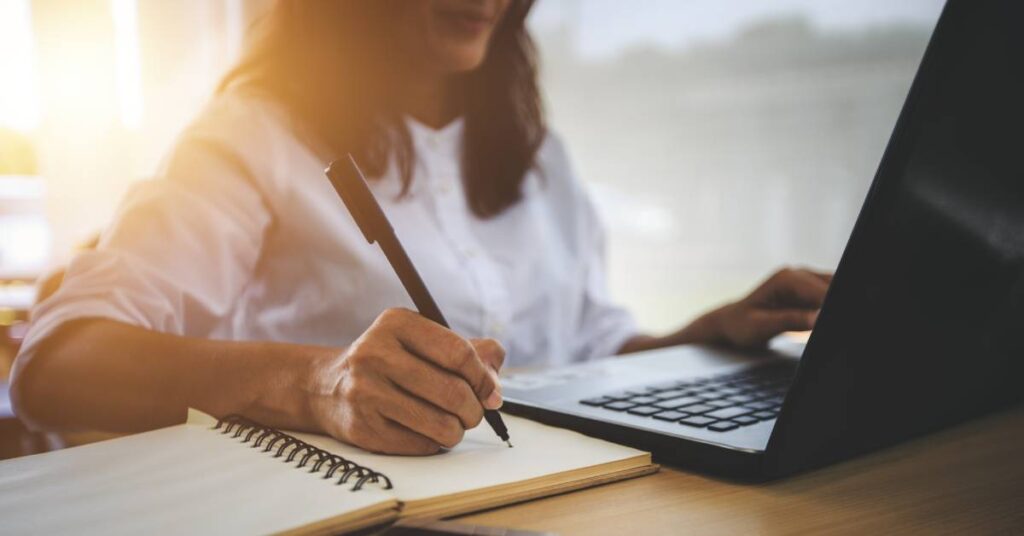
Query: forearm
[[105, 375], [704, 330]]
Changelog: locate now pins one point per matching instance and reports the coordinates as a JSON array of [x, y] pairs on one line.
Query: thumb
[[491, 352]]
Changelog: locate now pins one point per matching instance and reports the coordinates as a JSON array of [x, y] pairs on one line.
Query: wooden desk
[[968, 480]]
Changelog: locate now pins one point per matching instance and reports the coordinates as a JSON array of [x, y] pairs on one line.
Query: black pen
[[350, 184]]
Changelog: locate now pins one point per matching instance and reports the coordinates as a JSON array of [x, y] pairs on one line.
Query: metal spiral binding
[[258, 435]]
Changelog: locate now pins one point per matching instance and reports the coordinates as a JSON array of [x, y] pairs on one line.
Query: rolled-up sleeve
[[181, 247], [604, 325]]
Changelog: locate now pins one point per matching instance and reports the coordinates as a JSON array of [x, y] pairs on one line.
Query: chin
[[461, 63]]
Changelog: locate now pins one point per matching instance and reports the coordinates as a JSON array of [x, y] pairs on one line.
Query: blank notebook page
[[482, 460], [177, 480]]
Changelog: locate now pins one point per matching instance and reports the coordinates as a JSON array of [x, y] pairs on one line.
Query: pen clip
[[350, 184]]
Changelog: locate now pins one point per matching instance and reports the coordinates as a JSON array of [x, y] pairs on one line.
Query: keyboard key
[[671, 393], [643, 399], [741, 399], [765, 415], [723, 426], [676, 402], [697, 421], [661, 386], [597, 401], [618, 406], [720, 403], [670, 415], [644, 410], [729, 391], [622, 395], [760, 405], [744, 420], [728, 413], [697, 408]]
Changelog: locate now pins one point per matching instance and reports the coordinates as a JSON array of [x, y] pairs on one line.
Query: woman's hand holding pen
[[406, 386]]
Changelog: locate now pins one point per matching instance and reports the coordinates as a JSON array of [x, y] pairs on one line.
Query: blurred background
[[722, 139]]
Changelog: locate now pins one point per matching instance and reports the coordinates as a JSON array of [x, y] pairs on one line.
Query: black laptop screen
[[925, 321]]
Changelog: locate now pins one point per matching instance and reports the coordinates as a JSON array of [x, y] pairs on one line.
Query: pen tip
[[509, 443]]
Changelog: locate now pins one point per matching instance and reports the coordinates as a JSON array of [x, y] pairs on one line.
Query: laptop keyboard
[[719, 403]]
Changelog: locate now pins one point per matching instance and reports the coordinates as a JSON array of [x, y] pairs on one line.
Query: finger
[[437, 386], [824, 276], [425, 419], [491, 352], [390, 437], [442, 347], [799, 288], [767, 324], [357, 419]]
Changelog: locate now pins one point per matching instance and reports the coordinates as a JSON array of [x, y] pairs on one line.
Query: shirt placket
[[455, 220]]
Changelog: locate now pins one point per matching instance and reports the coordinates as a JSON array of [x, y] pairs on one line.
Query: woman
[[237, 283]]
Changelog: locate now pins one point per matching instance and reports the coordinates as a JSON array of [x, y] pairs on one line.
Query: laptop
[[923, 325]]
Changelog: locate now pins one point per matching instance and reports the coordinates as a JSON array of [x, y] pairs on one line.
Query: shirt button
[[432, 141], [445, 187], [497, 328], [469, 252]]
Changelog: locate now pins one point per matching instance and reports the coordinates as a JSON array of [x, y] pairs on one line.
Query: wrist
[[707, 329], [285, 381]]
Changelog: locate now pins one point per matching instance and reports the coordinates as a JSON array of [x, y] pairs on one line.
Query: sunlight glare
[[129, 72], [19, 107]]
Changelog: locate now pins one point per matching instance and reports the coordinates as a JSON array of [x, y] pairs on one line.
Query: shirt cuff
[[48, 318], [606, 338]]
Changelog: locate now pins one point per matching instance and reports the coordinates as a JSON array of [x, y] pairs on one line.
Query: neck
[[429, 100]]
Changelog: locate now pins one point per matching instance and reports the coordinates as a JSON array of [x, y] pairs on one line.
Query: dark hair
[[327, 62]]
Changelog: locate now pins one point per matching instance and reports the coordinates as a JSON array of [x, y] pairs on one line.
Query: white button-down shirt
[[241, 236]]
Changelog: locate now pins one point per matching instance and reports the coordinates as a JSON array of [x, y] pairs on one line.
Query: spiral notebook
[[234, 476]]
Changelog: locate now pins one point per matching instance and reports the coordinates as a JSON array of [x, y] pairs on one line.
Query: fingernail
[[494, 400]]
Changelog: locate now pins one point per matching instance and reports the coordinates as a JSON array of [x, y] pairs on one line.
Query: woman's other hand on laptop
[[789, 300]]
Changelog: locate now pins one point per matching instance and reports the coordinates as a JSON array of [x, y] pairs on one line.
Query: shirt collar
[[446, 137]]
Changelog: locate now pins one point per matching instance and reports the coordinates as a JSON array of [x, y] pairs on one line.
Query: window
[[725, 139]]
